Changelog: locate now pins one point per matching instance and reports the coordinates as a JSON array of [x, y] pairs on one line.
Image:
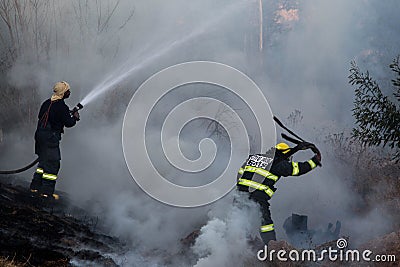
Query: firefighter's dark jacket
[[53, 117], [59, 115], [267, 176]]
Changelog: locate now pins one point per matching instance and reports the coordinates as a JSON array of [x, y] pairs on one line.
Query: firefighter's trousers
[[267, 230], [47, 147]]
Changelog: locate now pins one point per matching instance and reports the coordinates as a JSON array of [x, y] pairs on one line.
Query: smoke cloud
[[303, 65]]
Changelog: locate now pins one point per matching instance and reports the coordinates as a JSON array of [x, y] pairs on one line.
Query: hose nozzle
[[78, 107]]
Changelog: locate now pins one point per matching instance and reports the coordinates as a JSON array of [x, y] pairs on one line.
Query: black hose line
[[295, 141], [290, 139], [22, 169], [288, 130]]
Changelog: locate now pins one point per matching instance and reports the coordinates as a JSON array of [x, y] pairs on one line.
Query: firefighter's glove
[[76, 115], [318, 158]]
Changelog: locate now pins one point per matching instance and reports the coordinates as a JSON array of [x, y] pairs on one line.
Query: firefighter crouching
[[54, 115], [260, 172]]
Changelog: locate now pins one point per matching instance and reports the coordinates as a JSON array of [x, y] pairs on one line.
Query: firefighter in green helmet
[[260, 172]]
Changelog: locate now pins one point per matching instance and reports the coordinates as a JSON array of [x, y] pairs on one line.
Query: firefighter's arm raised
[[287, 168]]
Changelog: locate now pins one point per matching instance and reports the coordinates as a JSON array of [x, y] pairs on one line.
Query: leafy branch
[[377, 117]]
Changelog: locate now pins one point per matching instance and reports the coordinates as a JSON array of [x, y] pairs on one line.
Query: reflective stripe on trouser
[[267, 228], [296, 169], [49, 161], [267, 231], [49, 176], [39, 170], [257, 186]]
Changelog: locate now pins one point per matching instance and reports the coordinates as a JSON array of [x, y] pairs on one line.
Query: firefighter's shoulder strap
[[45, 117]]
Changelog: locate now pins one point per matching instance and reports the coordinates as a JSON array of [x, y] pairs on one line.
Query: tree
[[35, 32], [377, 117]]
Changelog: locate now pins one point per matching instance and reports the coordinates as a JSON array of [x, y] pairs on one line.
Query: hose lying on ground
[[22, 169]]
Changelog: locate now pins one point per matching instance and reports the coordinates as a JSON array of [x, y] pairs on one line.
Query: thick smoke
[[224, 240], [305, 65]]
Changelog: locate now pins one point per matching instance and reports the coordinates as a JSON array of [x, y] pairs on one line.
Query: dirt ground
[[38, 232]]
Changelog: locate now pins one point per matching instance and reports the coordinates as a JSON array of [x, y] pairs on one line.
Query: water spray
[[127, 70]]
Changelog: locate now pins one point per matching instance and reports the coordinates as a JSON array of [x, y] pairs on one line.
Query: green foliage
[[377, 117], [396, 82]]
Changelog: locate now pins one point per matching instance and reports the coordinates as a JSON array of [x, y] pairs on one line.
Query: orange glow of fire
[[287, 15]]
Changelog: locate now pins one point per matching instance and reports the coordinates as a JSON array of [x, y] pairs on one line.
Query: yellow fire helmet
[[283, 147]]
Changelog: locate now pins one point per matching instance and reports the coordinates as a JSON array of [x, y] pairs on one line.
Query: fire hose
[[296, 141], [22, 169], [78, 107]]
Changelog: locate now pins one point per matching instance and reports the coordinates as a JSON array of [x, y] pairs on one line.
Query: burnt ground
[[39, 232]]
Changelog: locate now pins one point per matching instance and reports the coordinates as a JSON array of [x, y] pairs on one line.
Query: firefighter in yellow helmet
[[260, 172], [53, 116]]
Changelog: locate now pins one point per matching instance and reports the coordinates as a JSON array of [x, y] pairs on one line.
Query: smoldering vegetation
[[298, 52]]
